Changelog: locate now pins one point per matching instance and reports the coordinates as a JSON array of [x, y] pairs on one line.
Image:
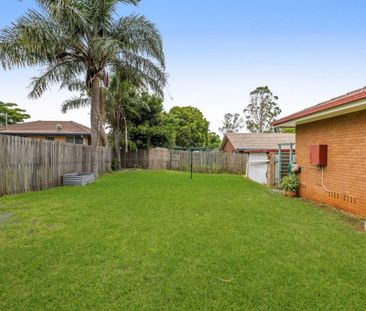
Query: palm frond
[[74, 85], [32, 40], [75, 103], [67, 14], [143, 70], [138, 35], [99, 13], [52, 75]]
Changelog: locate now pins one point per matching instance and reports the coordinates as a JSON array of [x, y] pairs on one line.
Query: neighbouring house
[[260, 148], [64, 131], [330, 148]]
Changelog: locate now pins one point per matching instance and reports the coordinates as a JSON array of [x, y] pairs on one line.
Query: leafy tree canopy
[[149, 112], [232, 123], [191, 127], [262, 110], [11, 114], [150, 126], [145, 136], [290, 130], [180, 127], [214, 140]]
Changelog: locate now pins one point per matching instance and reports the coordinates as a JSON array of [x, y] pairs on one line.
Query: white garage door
[[257, 167]]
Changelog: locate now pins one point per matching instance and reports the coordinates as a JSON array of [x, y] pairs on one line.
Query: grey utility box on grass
[[78, 179]]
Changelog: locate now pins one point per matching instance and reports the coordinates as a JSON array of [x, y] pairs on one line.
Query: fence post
[[191, 163], [170, 153]]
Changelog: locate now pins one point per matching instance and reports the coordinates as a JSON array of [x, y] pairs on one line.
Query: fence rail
[[31, 164], [202, 161]]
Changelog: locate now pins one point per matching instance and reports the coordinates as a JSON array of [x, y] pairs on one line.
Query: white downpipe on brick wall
[[323, 186]]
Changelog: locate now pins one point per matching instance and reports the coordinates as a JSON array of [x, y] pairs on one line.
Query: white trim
[[259, 161], [329, 113]]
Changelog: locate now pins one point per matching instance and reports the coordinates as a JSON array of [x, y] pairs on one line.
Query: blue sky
[[306, 51]]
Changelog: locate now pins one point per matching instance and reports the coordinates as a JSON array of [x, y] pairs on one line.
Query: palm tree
[[122, 100], [74, 38]]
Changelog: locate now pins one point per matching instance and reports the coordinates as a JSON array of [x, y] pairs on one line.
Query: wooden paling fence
[[179, 160], [31, 164]]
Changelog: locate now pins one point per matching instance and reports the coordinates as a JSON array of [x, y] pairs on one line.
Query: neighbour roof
[[257, 141], [332, 103], [46, 127]]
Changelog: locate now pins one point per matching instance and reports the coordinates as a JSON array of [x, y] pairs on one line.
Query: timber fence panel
[[180, 160], [30, 164]]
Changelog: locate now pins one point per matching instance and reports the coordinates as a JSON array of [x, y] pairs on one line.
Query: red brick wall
[[345, 174], [228, 147]]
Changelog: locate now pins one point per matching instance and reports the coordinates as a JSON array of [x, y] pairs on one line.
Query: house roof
[[257, 141], [46, 127], [332, 105]]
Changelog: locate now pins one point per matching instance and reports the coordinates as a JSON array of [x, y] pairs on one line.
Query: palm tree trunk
[[126, 133], [117, 140], [103, 135], [94, 122]]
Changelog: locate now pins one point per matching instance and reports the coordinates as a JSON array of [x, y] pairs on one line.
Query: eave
[[298, 119], [43, 133], [244, 150]]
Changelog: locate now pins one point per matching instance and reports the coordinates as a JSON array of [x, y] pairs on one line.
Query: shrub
[[290, 183], [114, 165]]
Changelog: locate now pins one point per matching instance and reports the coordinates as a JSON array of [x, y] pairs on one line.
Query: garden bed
[[78, 179]]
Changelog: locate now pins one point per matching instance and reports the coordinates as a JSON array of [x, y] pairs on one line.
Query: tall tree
[[262, 110], [127, 106], [232, 123], [192, 129], [10, 113], [121, 99], [151, 126], [137, 113], [71, 38]]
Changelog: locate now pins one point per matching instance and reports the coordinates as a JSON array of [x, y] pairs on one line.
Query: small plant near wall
[[290, 184], [115, 166]]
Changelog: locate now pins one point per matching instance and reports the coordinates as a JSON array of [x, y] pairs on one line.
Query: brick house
[[64, 131], [260, 148], [338, 128]]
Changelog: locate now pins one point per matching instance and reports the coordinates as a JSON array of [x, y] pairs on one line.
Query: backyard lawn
[[141, 240]]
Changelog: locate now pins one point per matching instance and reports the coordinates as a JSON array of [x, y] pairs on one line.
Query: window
[[79, 140], [75, 140], [70, 139], [50, 138]]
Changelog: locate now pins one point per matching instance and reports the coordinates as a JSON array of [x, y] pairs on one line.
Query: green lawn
[[140, 240]]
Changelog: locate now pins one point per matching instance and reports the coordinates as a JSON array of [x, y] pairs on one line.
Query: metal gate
[[285, 157]]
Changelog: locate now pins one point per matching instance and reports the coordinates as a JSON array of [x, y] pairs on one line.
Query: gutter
[[321, 108], [44, 134], [260, 150]]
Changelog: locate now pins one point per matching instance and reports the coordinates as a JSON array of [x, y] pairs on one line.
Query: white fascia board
[[355, 106]]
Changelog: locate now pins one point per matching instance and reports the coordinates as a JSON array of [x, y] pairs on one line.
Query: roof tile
[[49, 127], [258, 141]]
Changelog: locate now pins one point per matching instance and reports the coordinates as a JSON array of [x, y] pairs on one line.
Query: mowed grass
[[141, 240]]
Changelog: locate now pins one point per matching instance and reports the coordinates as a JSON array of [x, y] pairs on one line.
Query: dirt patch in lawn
[[5, 216]]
